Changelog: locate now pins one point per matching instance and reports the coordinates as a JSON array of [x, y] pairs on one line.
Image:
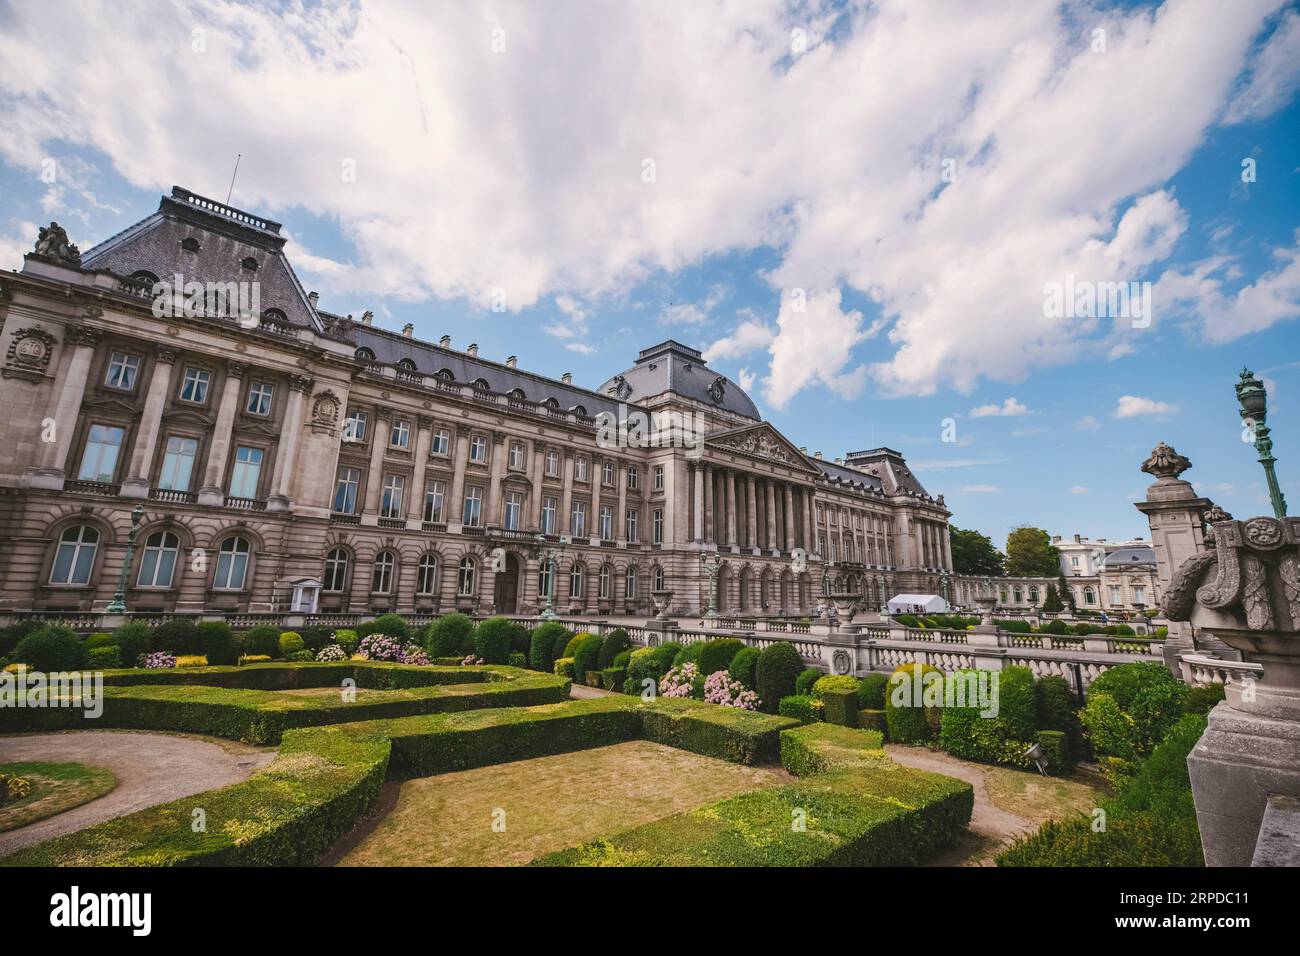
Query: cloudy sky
[[857, 209]]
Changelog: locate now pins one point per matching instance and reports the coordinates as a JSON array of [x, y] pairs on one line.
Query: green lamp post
[[118, 604], [1253, 399]]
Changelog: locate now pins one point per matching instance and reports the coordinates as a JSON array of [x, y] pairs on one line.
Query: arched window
[[481, 385], [606, 582], [1033, 595], [249, 263], [406, 365], [445, 375], [551, 403], [517, 393], [190, 244], [1089, 596], [1017, 594], [629, 584], [426, 576], [577, 581], [158, 560], [275, 317], [232, 565], [145, 277], [465, 577], [659, 579], [365, 354], [579, 410], [381, 575], [336, 571], [75, 557]]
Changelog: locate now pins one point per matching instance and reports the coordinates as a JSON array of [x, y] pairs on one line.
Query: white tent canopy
[[908, 603]]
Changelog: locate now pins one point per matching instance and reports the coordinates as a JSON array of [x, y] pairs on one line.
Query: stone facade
[[295, 445]]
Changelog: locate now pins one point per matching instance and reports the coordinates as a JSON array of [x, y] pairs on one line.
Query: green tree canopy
[[973, 553], [1066, 594], [1030, 553], [1052, 601]]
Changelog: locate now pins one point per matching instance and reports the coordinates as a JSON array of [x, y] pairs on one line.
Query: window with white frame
[[577, 581], [606, 582], [607, 473], [74, 559], [516, 462], [607, 523], [232, 565], [123, 371], [345, 491], [259, 398], [657, 526], [158, 560], [354, 426], [580, 468], [336, 571], [552, 463], [426, 575], [381, 573], [246, 472], [544, 579], [1139, 595], [629, 584], [514, 510], [659, 579], [435, 493], [472, 513], [659, 478], [441, 444], [390, 505], [399, 435], [99, 459], [178, 463], [1116, 595], [194, 385], [478, 449], [465, 577], [548, 515], [578, 520], [633, 477], [630, 526]]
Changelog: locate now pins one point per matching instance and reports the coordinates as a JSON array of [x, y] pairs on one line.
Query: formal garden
[[707, 753]]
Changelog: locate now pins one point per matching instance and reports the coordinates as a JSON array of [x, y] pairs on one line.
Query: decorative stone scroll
[[29, 354]]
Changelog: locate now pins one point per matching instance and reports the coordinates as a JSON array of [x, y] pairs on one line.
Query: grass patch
[[56, 787], [1036, 798]]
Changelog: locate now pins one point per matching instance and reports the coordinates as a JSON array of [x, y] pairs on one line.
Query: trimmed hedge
[[742, 668], [103, 658], [823, 748], [649, 663], [874, 720], [778, 667], [614, 643], [291, 642], [909, 724], [539, 650], [717, 655], [871, 692], [217, 642], [178, 636], [493, 640], [452, 635], [51, 647], [134, 638], [586, 656], [262, 639], [803, 684], [802, 707]]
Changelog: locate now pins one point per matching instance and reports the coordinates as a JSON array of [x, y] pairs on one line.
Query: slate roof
[[1130, 557], [847, 476], [671, 366], [890, 467]]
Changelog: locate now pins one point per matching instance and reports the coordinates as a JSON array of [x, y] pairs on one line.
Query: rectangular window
[[99, 460], [247, 470], [578, 520], [435, 493], [391, 502], [548, 516], [345, 491], [1139, 595], [1074, 560], [516, 456], [607, 473], [514, 510], [399, 435], [607, 523], [194, 386], [473, 512], [259, 398], [553, 463], [1116, 596], [606, 583], [478, 448], [354, 427], [631, 526], [441, 442], [580, 468], [633, 477], [178, 463], [123, 371], [659, 478], [657, 526]]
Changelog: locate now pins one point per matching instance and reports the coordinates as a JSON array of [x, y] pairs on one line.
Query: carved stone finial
[[52, 243], [1165, 463], [1214, 514]]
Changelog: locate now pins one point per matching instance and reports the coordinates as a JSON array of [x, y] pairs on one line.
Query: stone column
[[69, 389], [697, 470], [498, 466], [709, 505], [564, 524], [423, 442], [212, 494], [597, 483], [790, 541], [539, 469], [286, 453], [620, 518], [810, 518], [375, 472], [456, 501], [136, 484], [770, 496], [751, 515], [729, 485]]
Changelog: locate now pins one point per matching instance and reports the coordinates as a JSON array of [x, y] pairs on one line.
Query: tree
[[1030, 554], [973, 553], [1067, 594], [1052, 601]]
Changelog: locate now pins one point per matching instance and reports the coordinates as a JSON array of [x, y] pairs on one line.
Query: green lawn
[[56, 787]]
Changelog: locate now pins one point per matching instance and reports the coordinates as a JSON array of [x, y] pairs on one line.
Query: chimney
[[472, 351], [817, 455], [803, 449], [312, 299], [407, 330], [567, 378], [367, 317], [839, 461], [445, 341], [512, 362], [1078, 539]]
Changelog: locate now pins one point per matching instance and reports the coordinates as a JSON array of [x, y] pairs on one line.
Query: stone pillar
[[710, 505], [751, 515], [947, 548], [539, 469], [286, 453], [810, 519], [212, 493], [492, 506], [620, 518], [136, 484], [729, 485], [790, 541], [456, 499], [69, 389], [423, 442], [698, 532], [770, 496], [597, 483], [565, 522]]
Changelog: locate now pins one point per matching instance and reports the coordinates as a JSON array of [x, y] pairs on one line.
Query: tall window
[[478, 448], [158, 560], [426, 575], [552, 463], [345, 491], [99, 460], [548, 515], [123, 371], [631, 526], [633, 477], [1139, 595], [1116, 596], [399, 436], [606, 582], [75, 557], [473, 512], [659, 580], [1089, 596], [659, 478], [465, 577], [514, 509], [194, 385], [232, 565], [247, 470], [354, 426], [178, 463], [657, 526], [544, 579], [577, 581], [381, 575], [629, 584], [259, 398], [435, 492], [391, 503], [336, 571], [578, 520], [607, 523], [607, 473], [1033, 595], [580, 468], [516, 456], [441, 444]]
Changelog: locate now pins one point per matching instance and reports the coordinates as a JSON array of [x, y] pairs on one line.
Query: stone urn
[[844, 603], [662, 601]]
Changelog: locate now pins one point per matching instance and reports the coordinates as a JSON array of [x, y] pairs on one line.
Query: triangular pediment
[[186, 416], [109, 404], [760, 441]]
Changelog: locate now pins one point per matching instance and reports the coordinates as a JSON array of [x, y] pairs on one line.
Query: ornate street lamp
[[1253, 399], [710, 564], [118, 604], [547, 555]]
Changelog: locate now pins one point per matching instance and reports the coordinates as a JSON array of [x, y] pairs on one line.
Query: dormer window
[[445, 375], [406, 365], [275, 317], [551, 403], [480, 385], [365, 355], [249, 263], [190, 244], [145, 277]]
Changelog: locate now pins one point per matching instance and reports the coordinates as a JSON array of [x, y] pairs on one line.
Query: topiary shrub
[[394, 625], [347, 639], [217, 642], [612, 678], [967, 733], [492, 640], [742, 668], [446, 636], [564, 667], [262, 639], [315, 637], [1054, 710], [539, 650], [11, 635], [1055, 627], [180, 635], [874, 720], [1016, 702], [909, 720], [1131, 707], [871, 692], [717, 655], [649, 664], [98, 640], [1056, 751], [615, 643], [521, 640], [907, 620], [560, 637], [839, 693], [571, 646], [689, 654], [291, 642], [104, 658], [802, 707], [586, 656], [804, 682], [776, 672], [51, 647], [517, 659]]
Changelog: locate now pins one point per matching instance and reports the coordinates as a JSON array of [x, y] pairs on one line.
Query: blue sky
[[796, 154]]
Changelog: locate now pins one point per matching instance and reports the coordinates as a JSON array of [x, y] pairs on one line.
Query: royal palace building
[[174, 394]]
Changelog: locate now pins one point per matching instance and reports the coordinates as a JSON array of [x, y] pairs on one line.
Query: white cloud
[[1088, 423], [749, 336], [980, 489], [17, 243], [943, 464], [1008, 409], [814, 346], [1274, 74], [745, 378], [1131, 406], [1079, 490]]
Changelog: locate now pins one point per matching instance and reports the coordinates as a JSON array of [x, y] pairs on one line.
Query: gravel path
[[150, 769]]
